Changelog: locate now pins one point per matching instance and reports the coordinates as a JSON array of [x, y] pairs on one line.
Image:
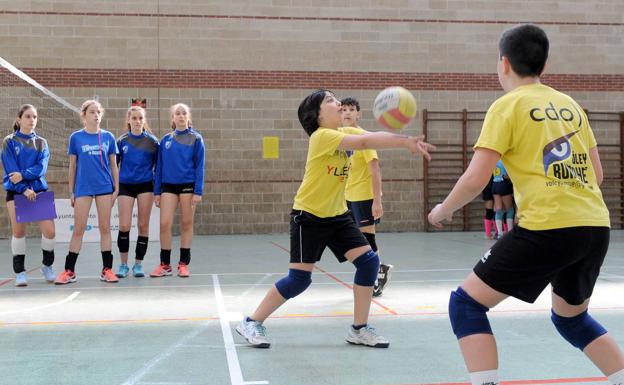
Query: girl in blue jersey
[[93, 175], [502, 191], [138, 151], [179, 180], [25, 158]]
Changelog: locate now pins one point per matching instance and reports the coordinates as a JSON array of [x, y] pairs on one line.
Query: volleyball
[[394, 108]]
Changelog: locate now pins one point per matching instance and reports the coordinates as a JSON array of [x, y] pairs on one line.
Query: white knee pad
[[18, 246], [47, 244]]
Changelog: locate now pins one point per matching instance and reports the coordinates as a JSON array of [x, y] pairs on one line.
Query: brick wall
[[244, 66]]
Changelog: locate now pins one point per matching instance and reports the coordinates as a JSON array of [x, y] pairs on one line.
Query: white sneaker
[[254, 333], [20, 279], [48, 273], [366, 336]]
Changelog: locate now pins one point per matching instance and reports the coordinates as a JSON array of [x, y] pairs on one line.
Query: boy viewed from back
[[551, 155]]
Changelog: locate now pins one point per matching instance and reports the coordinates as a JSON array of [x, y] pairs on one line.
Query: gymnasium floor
[[174, 331]]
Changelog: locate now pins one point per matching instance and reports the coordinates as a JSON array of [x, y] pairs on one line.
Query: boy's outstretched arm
[[379, 140], [469, 185]]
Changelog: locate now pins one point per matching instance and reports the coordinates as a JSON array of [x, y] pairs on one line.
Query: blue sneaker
[[20, 279], [137, 270], [48, 273], [123, 271]]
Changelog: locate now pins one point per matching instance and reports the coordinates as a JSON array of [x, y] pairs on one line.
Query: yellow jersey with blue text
[[322, 190], [360, 183], [544, 138]]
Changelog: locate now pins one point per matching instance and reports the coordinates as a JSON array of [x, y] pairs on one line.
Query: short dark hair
[[526, 48], [309, 108], [350, 102]]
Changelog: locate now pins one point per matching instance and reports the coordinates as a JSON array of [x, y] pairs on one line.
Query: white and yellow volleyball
[[394, 108]]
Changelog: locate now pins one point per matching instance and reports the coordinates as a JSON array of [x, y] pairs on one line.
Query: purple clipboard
[[40, 209]]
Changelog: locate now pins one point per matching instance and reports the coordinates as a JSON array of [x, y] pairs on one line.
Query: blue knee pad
[[294, 283], [366, 268], [579, 330], [467, 315], [499, 215], [510, 213]]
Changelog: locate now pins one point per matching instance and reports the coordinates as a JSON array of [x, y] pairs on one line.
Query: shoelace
[[260, 330], [371, 332]]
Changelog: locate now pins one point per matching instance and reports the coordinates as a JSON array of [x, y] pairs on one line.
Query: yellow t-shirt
[[544, 138], [360, 183], [322, 191]]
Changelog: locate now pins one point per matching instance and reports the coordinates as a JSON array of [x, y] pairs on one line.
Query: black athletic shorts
[[502, 188], [309, 235], [362, 213], [183, 188], [10, 195], [524, 262], [134, 189], [486, 194]]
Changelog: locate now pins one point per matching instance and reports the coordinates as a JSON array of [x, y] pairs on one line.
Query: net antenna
[[57, 117]]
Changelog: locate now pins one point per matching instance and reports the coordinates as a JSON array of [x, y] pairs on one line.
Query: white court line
[[236, 375], [70, 298], [134, 288], [395, 271], [134, 379], [256, 382]]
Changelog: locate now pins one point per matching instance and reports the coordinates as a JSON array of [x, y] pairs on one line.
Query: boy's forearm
[[466, 189], [380, 139]]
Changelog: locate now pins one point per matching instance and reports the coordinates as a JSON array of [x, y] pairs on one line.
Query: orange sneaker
[[183, 270], [161, 270], [65, 277], [108, 276]]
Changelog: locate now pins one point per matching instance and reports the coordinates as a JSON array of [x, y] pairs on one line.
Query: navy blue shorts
[[502, 188], [524, 262], [134, 189], [362, 213], [310, 235]]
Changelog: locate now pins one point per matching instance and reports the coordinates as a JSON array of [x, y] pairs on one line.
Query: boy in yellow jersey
[[551, 155], [320, 218], [363, 191]]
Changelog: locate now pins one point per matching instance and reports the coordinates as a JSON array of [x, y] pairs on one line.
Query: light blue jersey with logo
[[499, 172], [93, 173]]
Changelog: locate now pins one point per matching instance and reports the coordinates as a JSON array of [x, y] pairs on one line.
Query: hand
[[437, 215], [30, 194], [72, 199], [377, 209], [15, 177], [196, 199], [114, 196], [157, 201], [417, 145]]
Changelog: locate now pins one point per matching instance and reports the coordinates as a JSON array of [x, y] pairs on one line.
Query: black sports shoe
[[383, 277]]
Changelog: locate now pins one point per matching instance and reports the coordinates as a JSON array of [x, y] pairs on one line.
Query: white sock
[[510, 224], [499, 226], [486, 377], [18, 246], [617, 378]]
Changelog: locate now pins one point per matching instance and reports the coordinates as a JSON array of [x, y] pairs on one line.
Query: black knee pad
[[123, 241], [141, 247]]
